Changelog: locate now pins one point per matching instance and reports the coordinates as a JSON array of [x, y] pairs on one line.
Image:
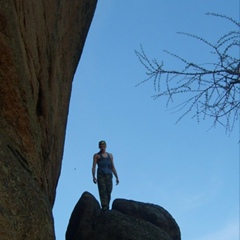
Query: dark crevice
[[39, 109]]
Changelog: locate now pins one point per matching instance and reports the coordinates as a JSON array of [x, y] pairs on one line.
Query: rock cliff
[[128, 220], [41, 42]]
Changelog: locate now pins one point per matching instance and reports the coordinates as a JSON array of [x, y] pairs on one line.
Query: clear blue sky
[[189, 170]]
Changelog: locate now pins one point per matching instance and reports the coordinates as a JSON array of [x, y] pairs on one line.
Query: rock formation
[[41, 42], [128, 220]]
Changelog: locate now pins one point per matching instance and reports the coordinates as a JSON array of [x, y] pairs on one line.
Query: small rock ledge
[[128, 220]]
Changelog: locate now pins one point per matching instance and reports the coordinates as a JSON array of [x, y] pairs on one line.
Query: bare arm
[[95, 159], [114, 169]]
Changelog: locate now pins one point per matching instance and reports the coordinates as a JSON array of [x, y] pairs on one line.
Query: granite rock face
[[128, 220], [41, 42]]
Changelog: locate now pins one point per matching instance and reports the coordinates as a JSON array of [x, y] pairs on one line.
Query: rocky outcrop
[[41, 42], [128, 220]]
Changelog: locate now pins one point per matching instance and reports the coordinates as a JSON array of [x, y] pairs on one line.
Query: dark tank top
[[104, 164]]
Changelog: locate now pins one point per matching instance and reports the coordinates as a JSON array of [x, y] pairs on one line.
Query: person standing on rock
[[105, 172]]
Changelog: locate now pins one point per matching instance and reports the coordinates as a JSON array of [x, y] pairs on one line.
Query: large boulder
[[128, 220], [41, 42]]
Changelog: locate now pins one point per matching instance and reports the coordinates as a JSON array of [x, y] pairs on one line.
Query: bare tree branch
[[211, 90]]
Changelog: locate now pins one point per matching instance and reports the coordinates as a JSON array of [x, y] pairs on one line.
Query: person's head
[[102, 145]]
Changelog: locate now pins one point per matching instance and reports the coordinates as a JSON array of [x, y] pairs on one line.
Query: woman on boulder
[[105, 171]]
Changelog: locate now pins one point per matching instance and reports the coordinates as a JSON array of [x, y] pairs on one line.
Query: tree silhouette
[[211, 90]]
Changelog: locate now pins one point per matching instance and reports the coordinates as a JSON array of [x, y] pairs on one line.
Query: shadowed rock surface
[[41, 42], [128, 220]]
